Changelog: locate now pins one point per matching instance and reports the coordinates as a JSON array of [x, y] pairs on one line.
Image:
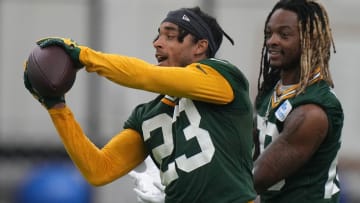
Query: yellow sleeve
[[195, 81], [99, 166]]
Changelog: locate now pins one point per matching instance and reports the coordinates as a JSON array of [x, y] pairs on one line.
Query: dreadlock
[[315, 41]]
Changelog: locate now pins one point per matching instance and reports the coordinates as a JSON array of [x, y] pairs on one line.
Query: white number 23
[[184, 163]]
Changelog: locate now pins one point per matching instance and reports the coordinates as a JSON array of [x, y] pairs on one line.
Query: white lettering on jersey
[[162, 121], [162, 151], [265, 129], [330, 187], [268, 129]]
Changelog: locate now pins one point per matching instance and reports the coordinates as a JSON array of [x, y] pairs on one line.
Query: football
[[50, 71]]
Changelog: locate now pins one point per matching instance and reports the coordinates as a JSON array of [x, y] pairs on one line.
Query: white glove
[[147, 185]]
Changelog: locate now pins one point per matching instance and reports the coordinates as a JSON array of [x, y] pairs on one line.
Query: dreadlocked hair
[[315, 41]]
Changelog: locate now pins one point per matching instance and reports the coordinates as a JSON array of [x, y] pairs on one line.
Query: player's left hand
[[47, 102], [69, 45], [147, 188]]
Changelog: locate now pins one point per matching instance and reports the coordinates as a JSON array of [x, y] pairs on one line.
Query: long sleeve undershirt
[[195, 81], [99, 166], [126, 150]]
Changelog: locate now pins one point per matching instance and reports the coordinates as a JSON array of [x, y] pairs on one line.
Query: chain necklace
[[280, 93], [283, 92], [266, 117]]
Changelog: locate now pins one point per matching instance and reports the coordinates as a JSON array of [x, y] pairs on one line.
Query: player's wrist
[[58, 106], [52, 102]]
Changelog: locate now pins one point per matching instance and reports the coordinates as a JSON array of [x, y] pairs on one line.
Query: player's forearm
[[98, 166], [186, 82], [271, 166]]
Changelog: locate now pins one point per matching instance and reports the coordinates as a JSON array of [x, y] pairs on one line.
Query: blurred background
[[31, 154]]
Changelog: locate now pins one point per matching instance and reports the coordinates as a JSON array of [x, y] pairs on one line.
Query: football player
[[198, 130], [299, 118]]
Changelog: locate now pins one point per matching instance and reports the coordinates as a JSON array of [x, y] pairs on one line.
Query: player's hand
[[47, 102], [147, 188], [69, 45]]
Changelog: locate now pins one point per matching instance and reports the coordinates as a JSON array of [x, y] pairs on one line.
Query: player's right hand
[[147, 197], [47, 102], [69, 45], [147, 187]]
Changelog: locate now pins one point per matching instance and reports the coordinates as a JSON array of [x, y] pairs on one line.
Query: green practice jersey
[[203, 150], [317, 180]]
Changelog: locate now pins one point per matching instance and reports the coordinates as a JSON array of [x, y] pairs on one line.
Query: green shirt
[[203, 150], [316, 181]]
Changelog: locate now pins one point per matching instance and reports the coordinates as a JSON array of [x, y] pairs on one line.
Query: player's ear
[[202, 46]]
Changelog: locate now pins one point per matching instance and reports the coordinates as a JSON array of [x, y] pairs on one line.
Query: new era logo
[[186, 18]]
